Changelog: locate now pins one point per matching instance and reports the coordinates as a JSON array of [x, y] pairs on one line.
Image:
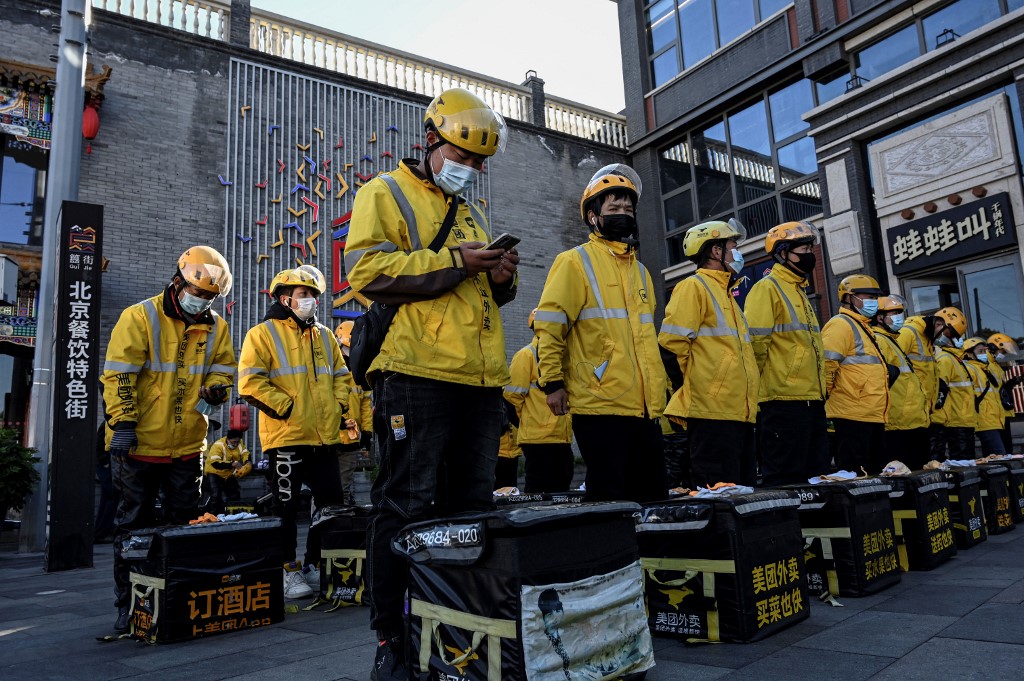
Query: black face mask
[[617, 226], [805, 262]]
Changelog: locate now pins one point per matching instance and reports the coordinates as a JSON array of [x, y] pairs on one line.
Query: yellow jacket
[[958, 410], [856, 377], [786, 338], [537, 425], [508, 447], [921, 352], [448, 327], [297, 378], [986, 386], [908, 403], [153, 371], [1000, 373], [706, 331], [595, 324], [219, 452], [360, 408]]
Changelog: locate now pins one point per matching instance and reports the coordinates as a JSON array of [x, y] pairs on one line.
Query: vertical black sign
[[75, 381]]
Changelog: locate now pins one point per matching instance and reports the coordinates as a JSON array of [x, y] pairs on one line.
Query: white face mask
[[737, 261], [304, 308], [232, 445], [194, 305], [455, 178], [1000, 356], [896, 321], [958, 343], [982, 357]]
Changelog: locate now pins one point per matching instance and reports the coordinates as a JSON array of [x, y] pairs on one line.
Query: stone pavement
[[964, 620]]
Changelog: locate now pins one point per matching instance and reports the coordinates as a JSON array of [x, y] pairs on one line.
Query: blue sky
[[573, 45]]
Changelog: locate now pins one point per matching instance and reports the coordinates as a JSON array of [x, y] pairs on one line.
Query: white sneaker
[[295, 586], [312, 579]]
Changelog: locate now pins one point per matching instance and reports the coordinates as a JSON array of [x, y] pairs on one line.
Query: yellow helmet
[[611, 177], [893, 303], [954, 319], [531, 317], [791, 233], [321, 280], [463, 119], [294, 277], [858, 283], [1003, 343], [206, 269], [344, 333], [698, 235], [972, 343]]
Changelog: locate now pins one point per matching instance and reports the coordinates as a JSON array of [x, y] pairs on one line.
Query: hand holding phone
[[505, 242]]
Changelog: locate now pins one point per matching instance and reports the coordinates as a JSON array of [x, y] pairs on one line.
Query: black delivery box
[[965, 506], [920, 511]]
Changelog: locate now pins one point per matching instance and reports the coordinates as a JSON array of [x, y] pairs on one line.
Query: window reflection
[[797, 159], [697, 27], [678, 211], [735, 17], [662, 24], [666, 66], [711, 159], [887, 54], [22, 188], [787, 106], [961, 17], [802, 201]]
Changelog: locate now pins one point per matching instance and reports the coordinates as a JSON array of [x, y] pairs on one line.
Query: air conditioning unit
[[8, 281]]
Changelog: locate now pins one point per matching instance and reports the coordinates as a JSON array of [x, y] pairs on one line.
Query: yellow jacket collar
[[860, 319], [404, 167], [780, 271], [721, 276], [617, 248]]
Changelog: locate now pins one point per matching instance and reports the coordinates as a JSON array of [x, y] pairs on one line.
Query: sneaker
[[312, 576], [389, 663], [121, 625], [294, 584]]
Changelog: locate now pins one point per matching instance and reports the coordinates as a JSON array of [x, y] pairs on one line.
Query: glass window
[[770, 7], [675, 167], [22, 188], [760, 217], [830, 89], [802, 201], [678, 211], [961, 17], [748, 130], [675, 250], [711, 171], [735, 17], [1014, 4], [797, 159], [666, 66], [662, 21], [697, 27], [787, 106], [992, 305], [887, 54]]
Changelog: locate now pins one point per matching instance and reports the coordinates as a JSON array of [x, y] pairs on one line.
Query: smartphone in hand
[[506, 242]]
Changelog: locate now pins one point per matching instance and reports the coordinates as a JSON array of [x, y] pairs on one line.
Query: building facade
[[893, 125]]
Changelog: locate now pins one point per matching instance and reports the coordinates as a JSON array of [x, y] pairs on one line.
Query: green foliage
[[18, 476]]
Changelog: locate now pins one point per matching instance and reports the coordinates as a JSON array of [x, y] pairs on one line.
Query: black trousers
[[138, 484], [506, 472], [289, 468], [677, 457], [549, 467], [912, 447], [951, 443], [860, 444], [624, 457], [722, 451], [793, 440], [218, 492]]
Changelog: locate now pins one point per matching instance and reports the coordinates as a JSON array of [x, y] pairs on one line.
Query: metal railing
[[316, 46]]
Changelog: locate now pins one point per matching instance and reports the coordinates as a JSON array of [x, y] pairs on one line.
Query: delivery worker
[[917, 340], [546, 439], [169, 362], [437, 380], [357, 435], [786, 338], [1003, 352], [953, 415], [989, 407], [291, 369], [598, 349], [707, 334], [906, 430], [506, 468], [856, 377], [225, 463]]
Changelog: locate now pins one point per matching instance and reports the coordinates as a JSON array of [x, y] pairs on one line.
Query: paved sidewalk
[[964, 620]]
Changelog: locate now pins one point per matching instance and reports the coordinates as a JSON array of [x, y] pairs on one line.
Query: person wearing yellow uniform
[[506, 468], [225, 463], [1003, 352], [991, 416], [856, 377], [953, 416], [292, 371], [597, 351], [357, 434], [546, 439], [169, 362], [707, 335], [906, 430], [917, 340], [786, 337], [437, 380]]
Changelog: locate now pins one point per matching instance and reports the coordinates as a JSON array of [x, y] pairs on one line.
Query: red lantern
[[238, 416], [90, 125]]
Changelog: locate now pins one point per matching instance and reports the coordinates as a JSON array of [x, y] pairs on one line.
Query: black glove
[[366, 441], [1006, 397], [221, 465], [218, 393], [123, 440], [943, 393]]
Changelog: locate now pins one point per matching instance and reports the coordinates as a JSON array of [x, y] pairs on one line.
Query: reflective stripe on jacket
[[990, 409], [152, 374], [786, 338], [958, 410], [706, 331], [595, 322], [537, 425], [298, 380], [219, 452], [448, 327], [855, 375], [921, 351], [908, 403]]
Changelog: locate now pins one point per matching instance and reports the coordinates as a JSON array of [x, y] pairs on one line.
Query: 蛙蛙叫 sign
[[966, 230]]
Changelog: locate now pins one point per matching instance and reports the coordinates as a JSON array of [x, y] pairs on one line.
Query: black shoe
[[389, 662], [121, 625]]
